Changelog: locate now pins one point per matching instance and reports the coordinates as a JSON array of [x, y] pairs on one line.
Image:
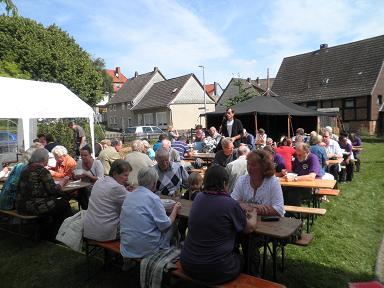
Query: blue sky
[[228, 37]]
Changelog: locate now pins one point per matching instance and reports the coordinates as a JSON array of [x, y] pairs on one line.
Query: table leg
[[274, 256], [264, 256]]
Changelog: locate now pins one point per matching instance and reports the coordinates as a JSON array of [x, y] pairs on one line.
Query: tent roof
[[269, 105], [35, 99]]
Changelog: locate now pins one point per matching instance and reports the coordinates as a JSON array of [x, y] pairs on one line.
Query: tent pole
[[255, 124], [26, 133], [92, 129], [289, 126]]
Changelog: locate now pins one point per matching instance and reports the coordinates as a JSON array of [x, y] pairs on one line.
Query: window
[[161, 119], [114, 107], [156, 129], [110, 120], [148, 119], [349, 103], [312, 105], [122, 106], [129, 122], [147, 129], [139, 119], [115, 120], [379, 99]]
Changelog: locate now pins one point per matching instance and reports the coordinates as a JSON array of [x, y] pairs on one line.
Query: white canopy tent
[[29, 100]]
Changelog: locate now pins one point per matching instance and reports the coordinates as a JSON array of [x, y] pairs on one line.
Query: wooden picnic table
[[316, 183], [70, 187], [273, 232], [357, 148], [336, 161]]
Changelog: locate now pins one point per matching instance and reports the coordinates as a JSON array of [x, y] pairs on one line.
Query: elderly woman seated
[[214, 222], [101, 221], [145, 226], [88, 170], [40, 195], [65, 164]]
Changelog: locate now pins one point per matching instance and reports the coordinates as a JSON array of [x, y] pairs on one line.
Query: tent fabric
[[28, 99], [270, 106]]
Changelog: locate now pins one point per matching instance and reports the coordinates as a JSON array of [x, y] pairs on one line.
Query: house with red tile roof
[[118, 78]]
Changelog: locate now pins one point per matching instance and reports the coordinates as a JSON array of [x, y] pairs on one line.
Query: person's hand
[[177, 206], [233, 139], [284, 172]]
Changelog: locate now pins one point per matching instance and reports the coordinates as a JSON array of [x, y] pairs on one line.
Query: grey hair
[[146, 144], [37, 145], [26, 157], [162, 153], [59, 151], [302, 146], [147, 177], [166, 142], [40, 155], [225, 142], [315, 139], [115, 142], [137, 145], [243, 150]]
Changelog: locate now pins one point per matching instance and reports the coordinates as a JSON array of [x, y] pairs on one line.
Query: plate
[[168, 203]]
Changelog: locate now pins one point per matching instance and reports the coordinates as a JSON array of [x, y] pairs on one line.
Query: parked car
[[8, 142], [139, 132]]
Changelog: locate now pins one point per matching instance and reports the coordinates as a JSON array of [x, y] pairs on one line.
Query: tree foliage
[[12, 69], [244, 94], [49, 54], [107, 80], [10, 7]]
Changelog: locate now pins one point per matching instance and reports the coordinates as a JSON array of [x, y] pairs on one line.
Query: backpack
[[9, 190]]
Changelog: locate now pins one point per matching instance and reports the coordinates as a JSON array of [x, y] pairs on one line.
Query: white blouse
[[269, 193]]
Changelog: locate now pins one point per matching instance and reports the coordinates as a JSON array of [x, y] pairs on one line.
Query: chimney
[[323, 46], [136, 74], [257, 81], [117, 72], [155, 69]]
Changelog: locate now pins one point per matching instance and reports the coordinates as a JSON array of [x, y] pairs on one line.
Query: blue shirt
[[143, 222], [180, 147], [156, 146], [320, 152]]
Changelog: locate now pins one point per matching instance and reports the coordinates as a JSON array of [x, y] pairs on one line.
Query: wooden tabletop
[[317, 183], [282, 229], [203, 155], [74, 187], [357, 148], [336, 161]]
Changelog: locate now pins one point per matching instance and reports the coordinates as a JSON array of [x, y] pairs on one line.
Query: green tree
[[245, 93], [12, 69], [10, 7], [107, 80], [50, 54]]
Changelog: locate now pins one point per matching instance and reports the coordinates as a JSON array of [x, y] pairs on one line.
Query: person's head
[[170, 128], [163, 158], [352, 136], [227, 145], [302, 151], [166, 144], [245, 133], [40, 156], [212, 131], [182, 138], [243, 150], [229, 114], [260, 165], [286, 141], [270, 151], [313, 133], [147, 177], [146, 145], [299, 131], [195, 181], [216, 179], [162, 137], [261, 131], [299, 138], [198, 127], [326, 137], [315, 139], [105, 143], [42, 139], [269, 141], [86, 155], [72, 125], [59, 152], [329, 129], [117, 144], [138, 146], [49, 138], [120, 171], [37, 145], [26, 156], [343, 139]]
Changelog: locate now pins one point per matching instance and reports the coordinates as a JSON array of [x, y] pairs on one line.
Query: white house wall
[[186, 116], [191, 92]]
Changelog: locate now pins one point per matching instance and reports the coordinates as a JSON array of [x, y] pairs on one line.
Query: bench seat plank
[[305, 210], [13, 213]]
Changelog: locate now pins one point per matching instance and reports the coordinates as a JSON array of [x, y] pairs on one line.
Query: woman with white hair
[[38, 194], [145, 227], [65, 164]]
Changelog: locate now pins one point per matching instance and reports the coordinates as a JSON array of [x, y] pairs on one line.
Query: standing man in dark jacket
[[231, 127]]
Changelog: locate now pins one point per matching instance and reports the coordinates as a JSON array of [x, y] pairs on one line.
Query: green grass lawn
[[344, 249]]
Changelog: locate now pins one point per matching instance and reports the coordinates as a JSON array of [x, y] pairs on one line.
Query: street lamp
[[205, 100]]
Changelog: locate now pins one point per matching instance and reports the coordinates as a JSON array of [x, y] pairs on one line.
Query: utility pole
[[205, 100]]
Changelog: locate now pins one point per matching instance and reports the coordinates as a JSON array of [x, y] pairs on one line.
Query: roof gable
[[348, 70], [162, 93], [133, 87]]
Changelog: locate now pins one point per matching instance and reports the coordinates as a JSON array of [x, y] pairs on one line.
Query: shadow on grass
[[371, 139], [27, 263]]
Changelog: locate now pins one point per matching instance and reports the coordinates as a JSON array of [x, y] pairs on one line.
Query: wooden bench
[[12, 214], [242, 281], [323, 192], [309, 211]]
